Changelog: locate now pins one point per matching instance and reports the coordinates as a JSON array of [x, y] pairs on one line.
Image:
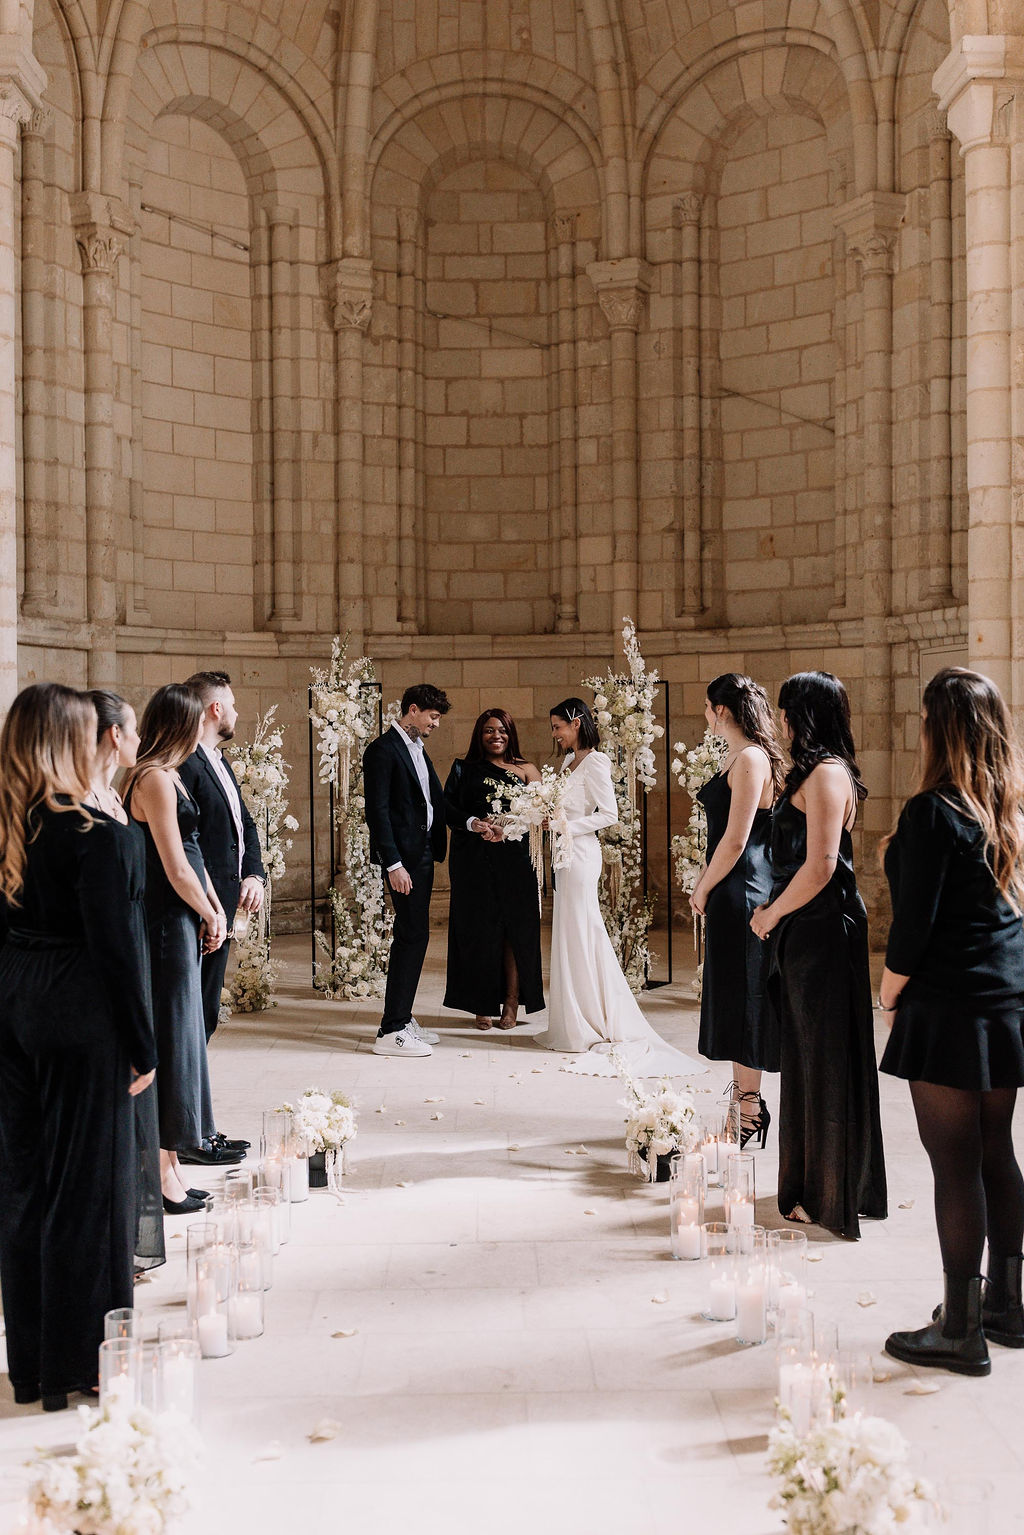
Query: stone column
[[870, 223], [283, 454], [350, 293], [409, 230], [15, 108], [940, 329], [690, 587], [102, 228], [567, 552], [138, 611], [40, 588], [975, 85], [622, 287]]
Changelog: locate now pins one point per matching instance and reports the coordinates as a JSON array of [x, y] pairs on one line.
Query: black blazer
[[218, 839], [396, 811]]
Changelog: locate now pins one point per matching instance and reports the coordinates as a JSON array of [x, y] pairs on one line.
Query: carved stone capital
[[410, 224], [972, 84], [936, 126], [15, 109], [687, 209], [38, 123], [621, 288], [348, 289], [871, 224], [103, 226], [563, 226]]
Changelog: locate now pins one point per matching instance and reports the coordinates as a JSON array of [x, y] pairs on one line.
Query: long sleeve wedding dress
[[591, 1011]]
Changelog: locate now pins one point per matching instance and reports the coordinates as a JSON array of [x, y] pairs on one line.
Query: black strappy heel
[[758, 1124]]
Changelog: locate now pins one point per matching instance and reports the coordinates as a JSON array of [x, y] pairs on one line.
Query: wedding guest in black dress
[[737, 878], [831, 1166], [493, 916], [185, 921], [953, 992], [76, 1042], [117, 745]]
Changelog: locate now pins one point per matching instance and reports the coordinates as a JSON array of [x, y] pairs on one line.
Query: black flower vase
[[318, 1169], [662, 1172]]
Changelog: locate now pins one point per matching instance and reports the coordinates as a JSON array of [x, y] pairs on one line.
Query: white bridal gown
[[591, 1010]]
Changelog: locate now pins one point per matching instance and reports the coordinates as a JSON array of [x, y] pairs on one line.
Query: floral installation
[[128, 1475], [323, 1121], [692, 769], [658, 1124], [850, 1475], [344, 715], [624, 711], [530, 809], [262, 776]]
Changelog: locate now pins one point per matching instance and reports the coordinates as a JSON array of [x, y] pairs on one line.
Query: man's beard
[[224, 733]]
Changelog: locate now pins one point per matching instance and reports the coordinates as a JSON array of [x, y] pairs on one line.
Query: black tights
[[979, 1190]]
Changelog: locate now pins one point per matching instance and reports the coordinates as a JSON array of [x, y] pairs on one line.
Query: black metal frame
[[669, 881]]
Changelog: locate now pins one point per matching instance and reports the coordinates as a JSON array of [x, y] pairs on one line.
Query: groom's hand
[[399, 880]]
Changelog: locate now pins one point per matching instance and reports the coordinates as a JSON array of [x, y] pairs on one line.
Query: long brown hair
[[747, 702], [476, 751], [46, 748], [168, 731], [969, 746]]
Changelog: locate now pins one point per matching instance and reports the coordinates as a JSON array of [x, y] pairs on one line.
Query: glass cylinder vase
[[215, 1289], [720, 1289], [245, 1310], [120, 1369], [739, 1190], [178, 1376], [686, 1205]]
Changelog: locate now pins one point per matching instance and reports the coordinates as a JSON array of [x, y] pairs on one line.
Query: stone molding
[[15, 110], [38, 124], [348, 289], [871, 224], [103, 226], [622, 288], [971, 84]]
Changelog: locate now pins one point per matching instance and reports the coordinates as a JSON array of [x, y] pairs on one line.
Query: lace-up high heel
[[757, 1124]]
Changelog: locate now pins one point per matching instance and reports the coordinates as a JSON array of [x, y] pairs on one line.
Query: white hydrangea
[[852, 1474]]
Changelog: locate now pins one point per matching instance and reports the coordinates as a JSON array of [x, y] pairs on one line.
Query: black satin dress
[[732, 1012], [75, 1018], [183, 1082], [819, 987], [493, 902]]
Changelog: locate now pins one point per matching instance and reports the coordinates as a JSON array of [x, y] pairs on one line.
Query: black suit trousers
[[409, 942], [213, 972]]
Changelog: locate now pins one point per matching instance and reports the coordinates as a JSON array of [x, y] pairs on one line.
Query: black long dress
[[150, 1248], [830, 1134], [732, 1012], [186, 1107], [493, 902], [960, 1021], [75, 1019]]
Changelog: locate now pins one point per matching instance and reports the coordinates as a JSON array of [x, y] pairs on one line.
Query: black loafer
[[221, 1143], [198, 1193], [183, 1206], [208, 1156]]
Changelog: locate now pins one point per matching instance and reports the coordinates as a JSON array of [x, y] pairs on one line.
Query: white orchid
[[849, 1475], [658, 1124]]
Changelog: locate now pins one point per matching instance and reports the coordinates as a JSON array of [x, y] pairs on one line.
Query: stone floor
[[526, 1355]]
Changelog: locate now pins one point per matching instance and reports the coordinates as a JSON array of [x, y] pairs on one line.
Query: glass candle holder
[[121, 1372], [720, 1303], [267, 1202], [245, 1310], [122, 1323], [298, 1177], [198, 1237], [271, 1174], [787, 1251], [175, 1329], [729, 1134], [215, 1288], [238, 1184], [852, 1374], [752, 1297], [739, 1190], [686, 1205], [710, 1148], [178, 1376], [278, 1137]]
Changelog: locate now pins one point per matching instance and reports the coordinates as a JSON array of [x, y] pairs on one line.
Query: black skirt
[[936, 1039]]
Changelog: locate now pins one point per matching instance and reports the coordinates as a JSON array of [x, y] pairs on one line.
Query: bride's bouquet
[[531, 809]]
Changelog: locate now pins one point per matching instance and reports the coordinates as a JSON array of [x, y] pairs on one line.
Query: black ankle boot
[[1002, 1310], [955, 1341]]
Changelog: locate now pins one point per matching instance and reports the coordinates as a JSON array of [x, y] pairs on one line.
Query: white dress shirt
[[419, 762], [227, 778]]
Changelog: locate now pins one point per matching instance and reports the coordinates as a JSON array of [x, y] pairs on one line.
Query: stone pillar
[[15, 108], [690, 588], [939, 577], [567, 552], [350, 294], [283, 445], [137, 606], [622, 287], [870, 223], [409, 419], [102, 228], [40, 588], [974, 85]]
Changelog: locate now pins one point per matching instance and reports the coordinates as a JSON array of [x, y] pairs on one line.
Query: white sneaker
[[427, 1035], [401, 1043]]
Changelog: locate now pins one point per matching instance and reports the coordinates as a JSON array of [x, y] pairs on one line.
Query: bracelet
[[882, 1009]]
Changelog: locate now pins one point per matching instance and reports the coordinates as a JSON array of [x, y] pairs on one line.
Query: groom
[[405, 815]]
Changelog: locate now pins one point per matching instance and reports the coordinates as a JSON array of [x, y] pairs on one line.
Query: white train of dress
[[591, 1010]]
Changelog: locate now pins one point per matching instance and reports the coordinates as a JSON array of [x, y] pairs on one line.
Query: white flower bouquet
[[624, 710], [658, 1124], [851, 1475], [692, 769], [343, 714], [529, 810], [325, 1121], [128, 1475]]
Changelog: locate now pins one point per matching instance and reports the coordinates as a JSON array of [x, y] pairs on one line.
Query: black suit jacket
[[396, 811], [218, 838]]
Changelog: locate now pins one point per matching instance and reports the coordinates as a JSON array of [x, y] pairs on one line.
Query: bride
[[591, 1010]]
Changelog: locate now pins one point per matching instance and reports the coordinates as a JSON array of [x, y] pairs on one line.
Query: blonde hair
[[168, 731], [970, 747], [47, 746]]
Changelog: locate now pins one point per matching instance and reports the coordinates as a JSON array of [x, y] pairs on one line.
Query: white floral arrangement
[[345, 715], [692, 769], [849, 1475], [658, 1124], [324, 1121], [263, 777], [128, 1475], [624, 711], [528, 809]]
